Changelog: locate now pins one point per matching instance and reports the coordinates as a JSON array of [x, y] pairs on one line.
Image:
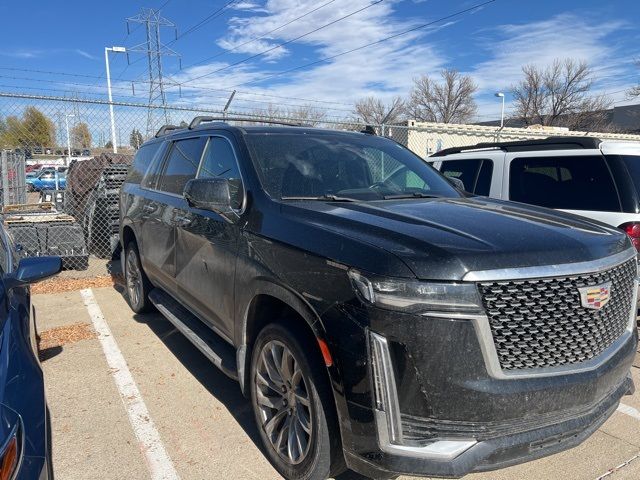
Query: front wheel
[[138, 285], [292, 402]]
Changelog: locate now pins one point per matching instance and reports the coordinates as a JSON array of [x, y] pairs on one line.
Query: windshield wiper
[[410, 195], [327, 197]]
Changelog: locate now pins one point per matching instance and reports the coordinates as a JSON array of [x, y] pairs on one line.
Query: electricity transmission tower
[[155, 50]]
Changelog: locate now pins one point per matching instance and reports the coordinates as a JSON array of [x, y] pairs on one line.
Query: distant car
[[86, 152], [32, 168], [37, 150], [584, 176], [75, 153], [25, 434], [48, 151], [46, 180], [58, 152]]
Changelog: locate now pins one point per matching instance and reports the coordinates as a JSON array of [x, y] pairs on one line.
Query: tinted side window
[[220, 161], [483, 182], [141, 162], [181, 165], [475, 173], [571, 183]]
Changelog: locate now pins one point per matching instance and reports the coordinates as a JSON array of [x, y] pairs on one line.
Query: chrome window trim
[[543, 271]]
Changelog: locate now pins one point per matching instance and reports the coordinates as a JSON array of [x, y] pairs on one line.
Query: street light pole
[[66, 120], [501, 95], [113, 122]]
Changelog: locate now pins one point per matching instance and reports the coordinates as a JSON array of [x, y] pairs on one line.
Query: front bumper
[[495, 453], [446, 392]]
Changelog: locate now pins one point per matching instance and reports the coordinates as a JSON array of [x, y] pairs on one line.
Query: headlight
[[414, 296]]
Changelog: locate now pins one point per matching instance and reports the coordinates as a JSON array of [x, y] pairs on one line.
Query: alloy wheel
[[283, 402]]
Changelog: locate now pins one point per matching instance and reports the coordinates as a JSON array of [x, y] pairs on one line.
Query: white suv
[[581, 175]]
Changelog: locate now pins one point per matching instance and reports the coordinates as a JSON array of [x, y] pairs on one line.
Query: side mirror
[[33, 269], [456, 182], [211, 194]]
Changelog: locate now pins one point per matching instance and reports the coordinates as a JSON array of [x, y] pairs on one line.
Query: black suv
[[378, 318]]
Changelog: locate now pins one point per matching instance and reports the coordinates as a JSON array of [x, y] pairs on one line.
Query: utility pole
[[111, 116], [66, 118], [155, 50]]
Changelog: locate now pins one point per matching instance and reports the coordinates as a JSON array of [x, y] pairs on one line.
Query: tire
[[303, 406], [137, 284], [97, 230]]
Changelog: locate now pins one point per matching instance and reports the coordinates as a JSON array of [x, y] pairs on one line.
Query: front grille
[[541, 323]]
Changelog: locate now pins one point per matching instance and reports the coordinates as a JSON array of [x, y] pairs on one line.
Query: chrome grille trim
[[541, 323]]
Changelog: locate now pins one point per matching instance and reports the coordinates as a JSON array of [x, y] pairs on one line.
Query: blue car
[[46, 180], [25, 446]]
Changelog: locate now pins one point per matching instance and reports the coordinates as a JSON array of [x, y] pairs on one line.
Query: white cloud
[[21, 53], [84, 54], [384, 70], [562, 36]]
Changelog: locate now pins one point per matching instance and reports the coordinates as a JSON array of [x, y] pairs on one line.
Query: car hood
[[443, 239]]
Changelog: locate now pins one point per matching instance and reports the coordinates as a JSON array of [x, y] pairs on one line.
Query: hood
[[443, 239]]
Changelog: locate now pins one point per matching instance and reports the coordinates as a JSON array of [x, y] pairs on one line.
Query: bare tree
[[374, 111], [306, 114], [448, 101], [558, 95], [634, 91]]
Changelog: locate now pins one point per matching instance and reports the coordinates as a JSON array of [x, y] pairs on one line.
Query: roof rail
[[198, 120], [166, 128], [549, 143]]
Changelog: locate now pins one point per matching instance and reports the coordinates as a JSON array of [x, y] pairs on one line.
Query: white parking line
[[158, 461], [627, 410]]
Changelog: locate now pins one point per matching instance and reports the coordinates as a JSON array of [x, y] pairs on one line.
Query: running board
[[221, 354]]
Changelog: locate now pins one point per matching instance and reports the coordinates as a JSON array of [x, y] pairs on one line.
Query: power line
[[204, 21], [217, 13], [175, 83], [284, 43], [404, 32], [253, 39], [121, 88]]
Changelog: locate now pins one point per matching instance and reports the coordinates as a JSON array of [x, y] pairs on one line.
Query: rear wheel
[[138, 285], [292, 402]]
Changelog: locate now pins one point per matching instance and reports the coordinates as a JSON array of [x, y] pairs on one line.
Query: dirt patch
[[58, 284], [59, 336]]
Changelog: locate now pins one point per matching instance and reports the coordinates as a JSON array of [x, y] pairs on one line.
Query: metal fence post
[[5, 178]]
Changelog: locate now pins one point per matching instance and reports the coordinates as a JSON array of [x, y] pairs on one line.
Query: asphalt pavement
[[135, 400]]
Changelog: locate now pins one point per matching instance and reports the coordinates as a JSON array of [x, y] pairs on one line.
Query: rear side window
[[181, 165], [475, 173], [570, 183], [141, 162]]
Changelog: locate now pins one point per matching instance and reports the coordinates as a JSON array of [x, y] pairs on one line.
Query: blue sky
[[491, 44]]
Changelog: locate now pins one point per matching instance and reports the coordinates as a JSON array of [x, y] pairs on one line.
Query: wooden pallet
[[34, 213]]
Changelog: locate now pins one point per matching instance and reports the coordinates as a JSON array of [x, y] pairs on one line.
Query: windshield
[[349, 166]]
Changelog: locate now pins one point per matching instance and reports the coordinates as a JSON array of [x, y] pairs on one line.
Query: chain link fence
[[60, 176]]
